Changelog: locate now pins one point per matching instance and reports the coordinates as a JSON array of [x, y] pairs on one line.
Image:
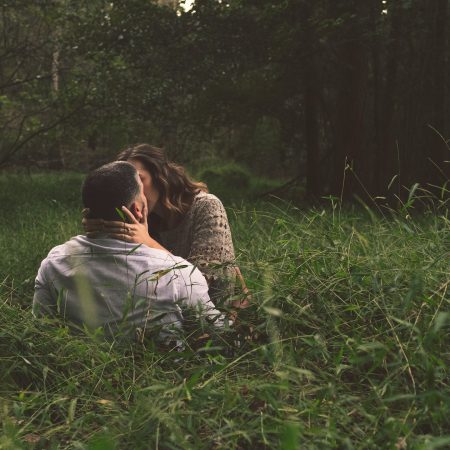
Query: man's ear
[[136, 210]]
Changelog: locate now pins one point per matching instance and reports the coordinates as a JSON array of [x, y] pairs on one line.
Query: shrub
[[226, 180]]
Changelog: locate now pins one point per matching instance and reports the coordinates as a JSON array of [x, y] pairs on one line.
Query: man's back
[[114, 284]]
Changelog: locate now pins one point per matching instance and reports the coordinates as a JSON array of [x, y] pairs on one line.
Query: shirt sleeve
[[193, 294], [44, 300], [212, 246]]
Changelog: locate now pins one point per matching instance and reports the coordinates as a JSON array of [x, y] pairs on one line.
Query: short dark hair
[[109, 187]]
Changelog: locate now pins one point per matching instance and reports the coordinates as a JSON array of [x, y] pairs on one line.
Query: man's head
[[112, 186]]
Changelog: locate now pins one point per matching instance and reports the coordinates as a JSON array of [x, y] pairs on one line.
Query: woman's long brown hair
[[176, 189]]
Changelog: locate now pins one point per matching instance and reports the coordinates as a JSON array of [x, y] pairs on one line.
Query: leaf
[[154, 387], [438, 442], [395, 398], [194, 379], [102, 442], [393, 179], [121, 214], [273, 311], [26, 360], [412, 191], [103, 401], [441, 320], [71, 412], [133, 250], [290, 437], [370, 346]]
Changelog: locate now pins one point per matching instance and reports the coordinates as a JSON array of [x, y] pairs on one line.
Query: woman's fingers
[[106, 226], [129, 214], [129, 232], [114, 223], [145, 213], [127, 229], [92, 224], [113, 226], [121, 237], [117, 228]]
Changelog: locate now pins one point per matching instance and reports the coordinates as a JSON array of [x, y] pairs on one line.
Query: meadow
[[349, 345]]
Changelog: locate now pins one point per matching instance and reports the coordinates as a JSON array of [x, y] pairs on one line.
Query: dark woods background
[[316, 91]]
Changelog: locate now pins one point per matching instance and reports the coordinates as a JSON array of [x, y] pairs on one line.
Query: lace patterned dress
[[204, 238]]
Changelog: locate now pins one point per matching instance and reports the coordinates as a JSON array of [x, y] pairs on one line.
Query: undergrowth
[[350, 328]]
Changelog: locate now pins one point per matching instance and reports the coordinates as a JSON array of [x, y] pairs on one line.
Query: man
[[120, 286]]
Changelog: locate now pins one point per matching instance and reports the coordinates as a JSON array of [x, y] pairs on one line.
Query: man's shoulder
[[74, 245], [62, 249], [134, 255], [83, 245]]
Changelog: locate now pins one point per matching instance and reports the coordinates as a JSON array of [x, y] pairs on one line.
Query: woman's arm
[[211, 248], [211, 235]]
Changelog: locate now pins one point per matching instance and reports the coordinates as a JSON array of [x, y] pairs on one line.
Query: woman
[[182, 218]]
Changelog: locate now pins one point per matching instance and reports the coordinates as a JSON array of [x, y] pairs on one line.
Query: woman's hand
[[136, 231], [91, 227]]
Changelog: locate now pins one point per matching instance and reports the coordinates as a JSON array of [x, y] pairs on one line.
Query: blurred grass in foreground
[[352, 325]]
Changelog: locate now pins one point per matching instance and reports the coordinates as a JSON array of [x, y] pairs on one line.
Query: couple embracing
[[156, 243]]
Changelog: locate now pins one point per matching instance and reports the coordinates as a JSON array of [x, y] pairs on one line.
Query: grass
[[351, 348]]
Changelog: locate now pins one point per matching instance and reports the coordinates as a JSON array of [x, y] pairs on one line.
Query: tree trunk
[[56, 159], [311, 95], [350, 121], [387, 161], [375, 18], [437, 171]]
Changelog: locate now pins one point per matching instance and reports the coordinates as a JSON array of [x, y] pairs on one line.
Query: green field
[[351, 323]]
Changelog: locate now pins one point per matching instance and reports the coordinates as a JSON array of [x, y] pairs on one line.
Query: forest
[[345, 98], [323, 128]]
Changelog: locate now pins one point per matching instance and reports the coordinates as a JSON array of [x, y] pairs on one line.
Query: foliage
[[228, 179], [342, 96], [350, 342]]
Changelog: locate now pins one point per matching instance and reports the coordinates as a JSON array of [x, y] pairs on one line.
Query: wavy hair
[[176, 189]]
